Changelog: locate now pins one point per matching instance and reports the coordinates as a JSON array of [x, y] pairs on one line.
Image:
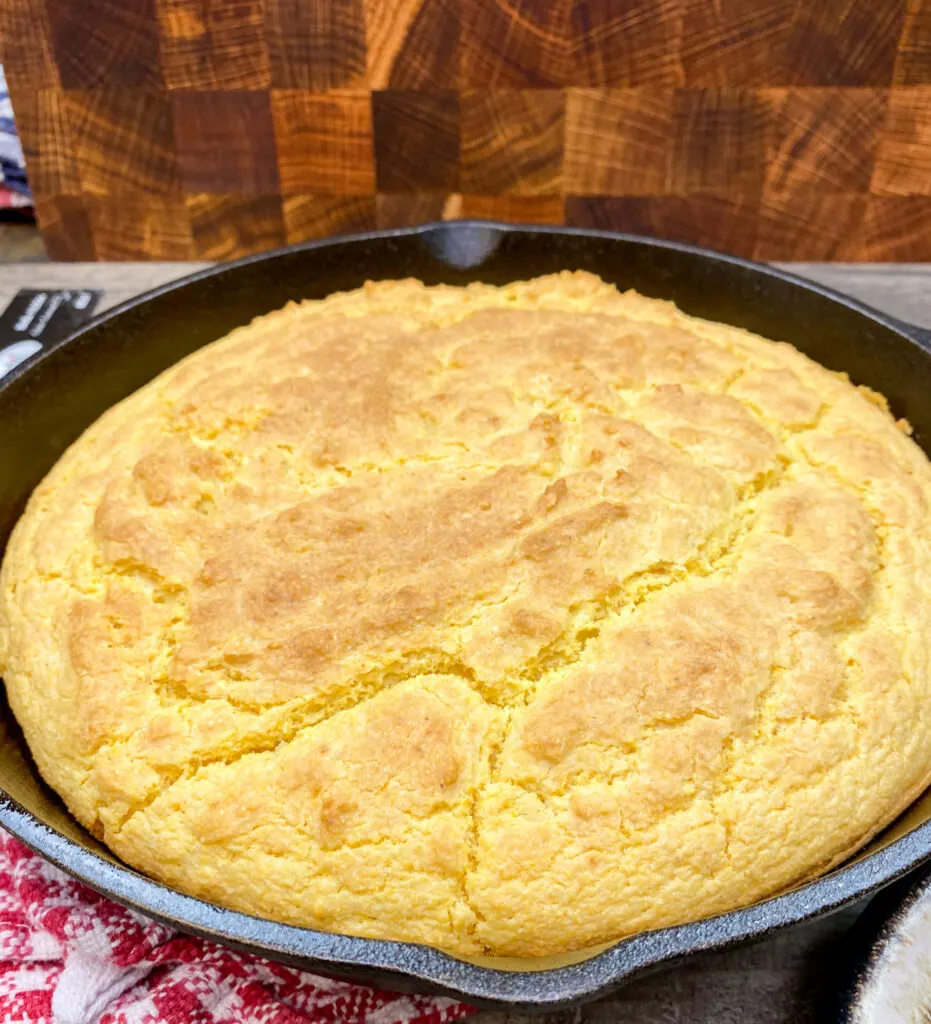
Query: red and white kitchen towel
[[69, 956]]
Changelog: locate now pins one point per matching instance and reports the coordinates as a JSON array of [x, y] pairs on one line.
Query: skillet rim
[[406, 965], [913, 333]]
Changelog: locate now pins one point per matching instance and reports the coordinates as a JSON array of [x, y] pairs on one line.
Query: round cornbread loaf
[[507, 620]]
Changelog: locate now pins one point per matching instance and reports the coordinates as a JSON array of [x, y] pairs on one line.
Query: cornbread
[[507, 620]]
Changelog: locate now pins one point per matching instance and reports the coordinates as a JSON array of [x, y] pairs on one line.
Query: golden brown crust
[[506, 620]]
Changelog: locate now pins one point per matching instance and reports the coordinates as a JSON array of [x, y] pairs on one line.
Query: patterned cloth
[[14, 190], [69, 956]]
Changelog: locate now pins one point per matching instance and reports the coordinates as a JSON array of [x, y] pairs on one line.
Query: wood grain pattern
[[26, 45], [115, 47], [721, 223], [207, 45], [66, 227], [512, 141], [833, 226], [123, 142], [776, 128], [115, 227], [735, 44], [571, 42], [412, 44], [824, 140], [836, 43], [827, 225], [123, 225], [913, 60], [225, 142], [634, 43], [315, 45], [224, 226], [896, 228], [416, 140], [618, 141], [399, 210], [514, 44], [316, 216], [903, 156], [324, 142], [720, 140], [49, 148], [844, 43], [513, 209]]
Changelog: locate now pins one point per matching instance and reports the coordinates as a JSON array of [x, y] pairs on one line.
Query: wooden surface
[[791, 978], [204, 129]]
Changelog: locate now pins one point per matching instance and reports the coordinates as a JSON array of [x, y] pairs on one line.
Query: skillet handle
[[922, 335]]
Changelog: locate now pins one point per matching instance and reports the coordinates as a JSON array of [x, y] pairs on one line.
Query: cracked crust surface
[[504, 620]]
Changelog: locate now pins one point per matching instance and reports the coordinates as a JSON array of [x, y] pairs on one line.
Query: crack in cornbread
[[508, 620]]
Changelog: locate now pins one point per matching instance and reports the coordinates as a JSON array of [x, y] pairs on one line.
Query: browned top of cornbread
[[506, 620]]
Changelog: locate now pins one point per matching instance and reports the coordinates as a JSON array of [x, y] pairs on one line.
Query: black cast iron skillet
[[47, 401]]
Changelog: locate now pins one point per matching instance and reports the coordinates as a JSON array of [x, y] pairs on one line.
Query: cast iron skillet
[[48, 400]]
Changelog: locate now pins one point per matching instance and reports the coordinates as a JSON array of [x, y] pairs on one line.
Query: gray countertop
[[787, 978]]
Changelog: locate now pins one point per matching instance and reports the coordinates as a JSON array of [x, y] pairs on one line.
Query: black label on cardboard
[[38, 317]]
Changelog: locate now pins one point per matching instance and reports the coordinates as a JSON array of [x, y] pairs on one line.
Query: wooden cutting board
[[206, 129]]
